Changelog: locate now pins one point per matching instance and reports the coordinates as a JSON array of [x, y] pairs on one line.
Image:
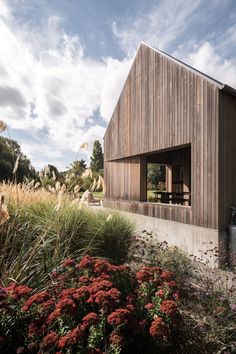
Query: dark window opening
[[168, 177]]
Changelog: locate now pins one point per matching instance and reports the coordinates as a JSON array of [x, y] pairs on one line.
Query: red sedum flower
[[90, 318], [166, 275], [116, 339], [149, 306], [118, 317], [50, 340], [158, 329], [160, 293], [66, 305], [54, 315], [69, 263], [35, 299], [86, 262], [169, 307], [72, 337]]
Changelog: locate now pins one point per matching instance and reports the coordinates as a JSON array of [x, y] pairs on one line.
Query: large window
[[169, 177]]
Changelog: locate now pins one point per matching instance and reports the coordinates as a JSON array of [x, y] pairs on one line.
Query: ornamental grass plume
[[58, 186], [16, 164], [76, 188], [109, 217], [59, 200], [4, 214], [3, 126], [87, 173], [84, 146], [94, 184], [100, 184]]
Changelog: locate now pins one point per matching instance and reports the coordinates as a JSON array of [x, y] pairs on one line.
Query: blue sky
[[63, 62]]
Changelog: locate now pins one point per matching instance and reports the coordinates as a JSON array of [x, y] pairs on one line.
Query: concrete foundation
[[203, 243]]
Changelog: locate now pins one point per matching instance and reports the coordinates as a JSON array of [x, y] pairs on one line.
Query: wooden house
[[172, 114]]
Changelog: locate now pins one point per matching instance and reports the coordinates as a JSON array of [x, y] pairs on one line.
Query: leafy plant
[[92, 306], [38, 236]]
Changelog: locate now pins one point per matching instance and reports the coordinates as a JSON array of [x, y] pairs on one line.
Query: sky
[[63, 63]]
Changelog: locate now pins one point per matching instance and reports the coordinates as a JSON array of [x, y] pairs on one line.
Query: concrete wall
[[197, 241]]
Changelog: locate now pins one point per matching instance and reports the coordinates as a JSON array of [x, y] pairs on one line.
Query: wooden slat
[[164, 105]]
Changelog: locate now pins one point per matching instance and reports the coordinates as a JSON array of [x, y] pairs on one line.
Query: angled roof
[[221, 86], [213, 81]]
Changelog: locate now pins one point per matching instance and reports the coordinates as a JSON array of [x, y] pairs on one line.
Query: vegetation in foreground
[[42, 231], [93, 307], [207, 296]]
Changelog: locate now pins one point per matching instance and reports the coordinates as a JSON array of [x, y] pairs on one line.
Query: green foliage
[[208, 296], [77, 167], [92, 306], [96, 160], [155, 175], [9, 151], [37, 238], [87, 183]]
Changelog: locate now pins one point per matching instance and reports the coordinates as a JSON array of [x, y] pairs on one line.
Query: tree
[[77, 167], [155, 175], [96, 160], [49, 175], [9, 152], [50, 171]]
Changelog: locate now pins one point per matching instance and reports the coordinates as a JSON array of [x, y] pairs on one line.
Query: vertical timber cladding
[[164, 105], [123, 179], [227, 157]]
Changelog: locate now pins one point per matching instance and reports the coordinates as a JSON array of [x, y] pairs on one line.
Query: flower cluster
[[91, 307]]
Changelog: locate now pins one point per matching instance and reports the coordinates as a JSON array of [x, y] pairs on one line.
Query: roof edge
[[229, 89], [220, 85], [213, 81]]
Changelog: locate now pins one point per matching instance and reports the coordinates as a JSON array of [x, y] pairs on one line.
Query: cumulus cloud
[[205, 59], [174, 26], [114, 78], [159, 27], [48, 85], [4, 11]]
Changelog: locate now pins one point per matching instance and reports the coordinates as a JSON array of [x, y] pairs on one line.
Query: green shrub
[[37, 237]]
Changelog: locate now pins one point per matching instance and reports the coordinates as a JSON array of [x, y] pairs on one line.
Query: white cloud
[[205, 58], [159, 27], [4, 11], [48, 85], [167, 25], [114, 78]]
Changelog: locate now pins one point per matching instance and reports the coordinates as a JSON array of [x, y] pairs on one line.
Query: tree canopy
[[155, 175], [96, 159], [77, 167], [9, 152]]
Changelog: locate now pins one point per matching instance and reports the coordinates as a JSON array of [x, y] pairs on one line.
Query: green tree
[[77, 167], [96, 160], [155, 174], [9, 151], [49, 175]]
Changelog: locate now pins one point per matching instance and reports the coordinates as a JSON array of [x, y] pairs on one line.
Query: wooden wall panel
[[227, 157], [165, 105], [123, 179], [167, 212]]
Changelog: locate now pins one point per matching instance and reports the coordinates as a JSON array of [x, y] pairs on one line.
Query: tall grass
[[37, 237]]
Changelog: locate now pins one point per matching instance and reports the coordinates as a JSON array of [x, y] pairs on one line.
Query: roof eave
[[229, 90]]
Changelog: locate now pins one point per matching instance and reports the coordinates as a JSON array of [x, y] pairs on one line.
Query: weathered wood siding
[[123, 179], [165, 105], [227, 157], [168, 212]]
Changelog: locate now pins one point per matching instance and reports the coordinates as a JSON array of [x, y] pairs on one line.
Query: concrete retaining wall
[[197, 241]]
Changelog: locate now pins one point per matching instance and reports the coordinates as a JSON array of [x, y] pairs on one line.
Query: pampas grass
[[38, 236], [3, 126]]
